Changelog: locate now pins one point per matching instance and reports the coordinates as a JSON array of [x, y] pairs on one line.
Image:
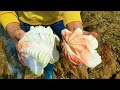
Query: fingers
[[86, 33], [21, 60], [17, 36], [94, 34]]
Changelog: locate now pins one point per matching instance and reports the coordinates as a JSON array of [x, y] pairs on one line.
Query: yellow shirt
[[39, 17]]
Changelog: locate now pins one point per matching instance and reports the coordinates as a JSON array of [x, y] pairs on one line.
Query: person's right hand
[[16, 33], [17, 36]]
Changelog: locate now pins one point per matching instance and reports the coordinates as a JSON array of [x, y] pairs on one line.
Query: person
[[57, 20]]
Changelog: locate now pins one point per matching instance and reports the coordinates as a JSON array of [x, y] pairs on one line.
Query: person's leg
[[57, 28], [26, 26], [49, 69]]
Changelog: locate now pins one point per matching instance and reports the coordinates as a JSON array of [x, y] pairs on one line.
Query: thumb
[[94, 34], [19, 34]]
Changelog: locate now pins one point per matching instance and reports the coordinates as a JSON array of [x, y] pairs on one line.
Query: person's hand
[[76, 24], [16, 33], [17, 36]]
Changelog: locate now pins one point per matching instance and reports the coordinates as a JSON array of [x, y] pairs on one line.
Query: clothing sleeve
[[70, 16], [7, 17]]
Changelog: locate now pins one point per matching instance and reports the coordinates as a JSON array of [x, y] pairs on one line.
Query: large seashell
[[38, 46], [80, 49]]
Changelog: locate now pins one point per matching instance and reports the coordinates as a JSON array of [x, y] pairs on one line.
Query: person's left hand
[[72, 27], [77, 24]]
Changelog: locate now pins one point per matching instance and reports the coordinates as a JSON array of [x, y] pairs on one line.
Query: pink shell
[[77, 48]]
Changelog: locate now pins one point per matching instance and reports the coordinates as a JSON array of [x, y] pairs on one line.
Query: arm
[[11, 24], [72, 20]]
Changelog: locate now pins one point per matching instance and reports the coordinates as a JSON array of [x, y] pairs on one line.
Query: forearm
[[11, 28], [72, 20], [15, 32]]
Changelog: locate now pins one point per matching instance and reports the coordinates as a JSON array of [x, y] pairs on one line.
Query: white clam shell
[[40, 49]]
